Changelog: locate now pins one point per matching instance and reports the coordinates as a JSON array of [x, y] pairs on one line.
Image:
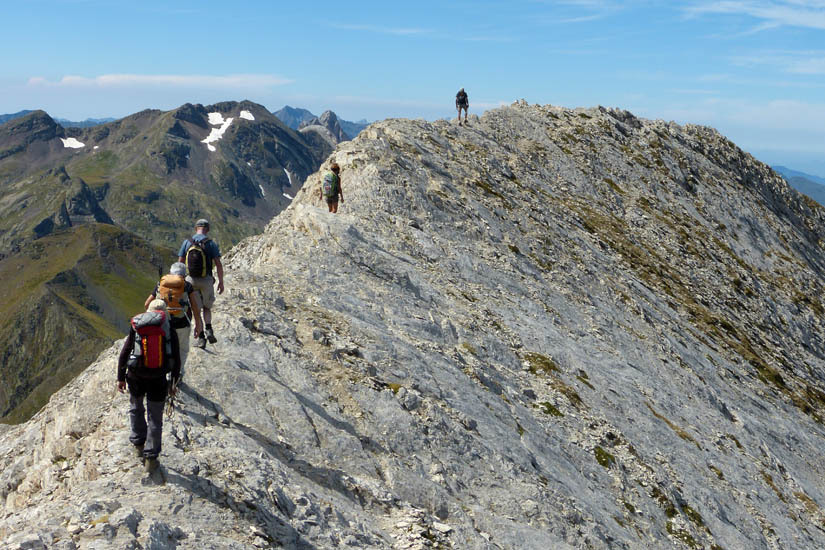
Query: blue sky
[[755, 70]]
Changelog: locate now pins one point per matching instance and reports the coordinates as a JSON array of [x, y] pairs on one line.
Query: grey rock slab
[[553, 328]]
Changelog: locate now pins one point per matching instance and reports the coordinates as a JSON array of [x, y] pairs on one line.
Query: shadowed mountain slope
[[149, 176], [552, 328]]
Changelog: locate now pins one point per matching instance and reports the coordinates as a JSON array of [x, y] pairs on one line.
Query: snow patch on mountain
[[247, 115], [217, 133], [215, 119], [72, 143]]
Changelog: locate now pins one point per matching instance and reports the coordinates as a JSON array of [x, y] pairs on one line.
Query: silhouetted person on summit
[[462, 102]]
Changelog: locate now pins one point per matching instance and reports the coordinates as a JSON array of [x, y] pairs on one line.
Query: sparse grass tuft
[[550, 409], [603, 457], [540, 363]]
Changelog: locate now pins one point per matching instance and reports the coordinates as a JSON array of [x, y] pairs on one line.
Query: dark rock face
[[81, 204], [194, 114], [175, 154], [227, 176], [177, 130], [19, 133]]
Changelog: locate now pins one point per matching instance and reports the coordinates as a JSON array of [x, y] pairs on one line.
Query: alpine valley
[[549, 329], [88, 216]]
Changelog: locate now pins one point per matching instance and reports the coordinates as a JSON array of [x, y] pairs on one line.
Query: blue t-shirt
[[211, 248]]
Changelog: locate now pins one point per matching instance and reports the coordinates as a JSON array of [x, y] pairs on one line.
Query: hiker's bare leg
[[207, 316], [333, 208]]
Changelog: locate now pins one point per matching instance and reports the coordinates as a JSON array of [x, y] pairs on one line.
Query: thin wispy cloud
[[791, 62], [774, 13], [694, 91], [583, 11], [237, 81], [397, 31]]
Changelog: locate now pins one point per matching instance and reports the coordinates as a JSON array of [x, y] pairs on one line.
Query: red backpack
[[151, 338]]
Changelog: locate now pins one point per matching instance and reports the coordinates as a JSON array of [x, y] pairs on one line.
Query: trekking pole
[[170, 400]]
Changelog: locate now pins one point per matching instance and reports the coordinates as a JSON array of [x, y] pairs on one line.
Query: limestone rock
[[612, 329]]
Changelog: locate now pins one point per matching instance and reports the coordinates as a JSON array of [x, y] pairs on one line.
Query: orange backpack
[[172, 289]]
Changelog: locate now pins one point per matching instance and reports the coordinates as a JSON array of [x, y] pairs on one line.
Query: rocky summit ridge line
[[552, 328]]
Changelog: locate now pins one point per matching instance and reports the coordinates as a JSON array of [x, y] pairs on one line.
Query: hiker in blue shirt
[[199, 253]]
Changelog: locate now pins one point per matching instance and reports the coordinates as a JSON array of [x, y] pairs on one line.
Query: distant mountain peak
[[329, 121]]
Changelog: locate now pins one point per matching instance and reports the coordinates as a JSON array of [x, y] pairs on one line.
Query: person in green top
[[331, 187]]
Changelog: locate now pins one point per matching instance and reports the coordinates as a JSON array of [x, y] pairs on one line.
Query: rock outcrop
[[551, 328], [328, 124]]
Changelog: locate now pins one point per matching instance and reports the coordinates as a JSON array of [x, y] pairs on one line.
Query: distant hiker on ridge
[[180, 296], [462, 102], [331, 187], [149, 352], [198, 254]]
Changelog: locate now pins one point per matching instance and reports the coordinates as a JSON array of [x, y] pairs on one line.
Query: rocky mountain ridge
[[329, 125], [294, 117], [552, 328], [85, 123]]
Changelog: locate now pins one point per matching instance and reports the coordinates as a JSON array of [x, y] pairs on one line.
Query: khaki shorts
[[206, 286]]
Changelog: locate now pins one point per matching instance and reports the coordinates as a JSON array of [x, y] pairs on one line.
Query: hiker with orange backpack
[[149, 353], [182, 304], [198, 254]]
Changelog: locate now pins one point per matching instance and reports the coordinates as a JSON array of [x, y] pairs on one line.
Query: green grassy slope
[[67, 296]]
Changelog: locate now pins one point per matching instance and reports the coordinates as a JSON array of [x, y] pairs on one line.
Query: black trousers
[[147, 422]]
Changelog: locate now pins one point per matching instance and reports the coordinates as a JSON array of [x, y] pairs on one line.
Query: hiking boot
[[150, 465], [210, 335], [139, 451], [200, 341]]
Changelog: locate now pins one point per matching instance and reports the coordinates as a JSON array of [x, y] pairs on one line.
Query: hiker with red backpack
[[149, 353], [182, 304], [198, 254]]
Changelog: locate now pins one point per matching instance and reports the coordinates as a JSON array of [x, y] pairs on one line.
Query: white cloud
[[236, 81], [794, 13]]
